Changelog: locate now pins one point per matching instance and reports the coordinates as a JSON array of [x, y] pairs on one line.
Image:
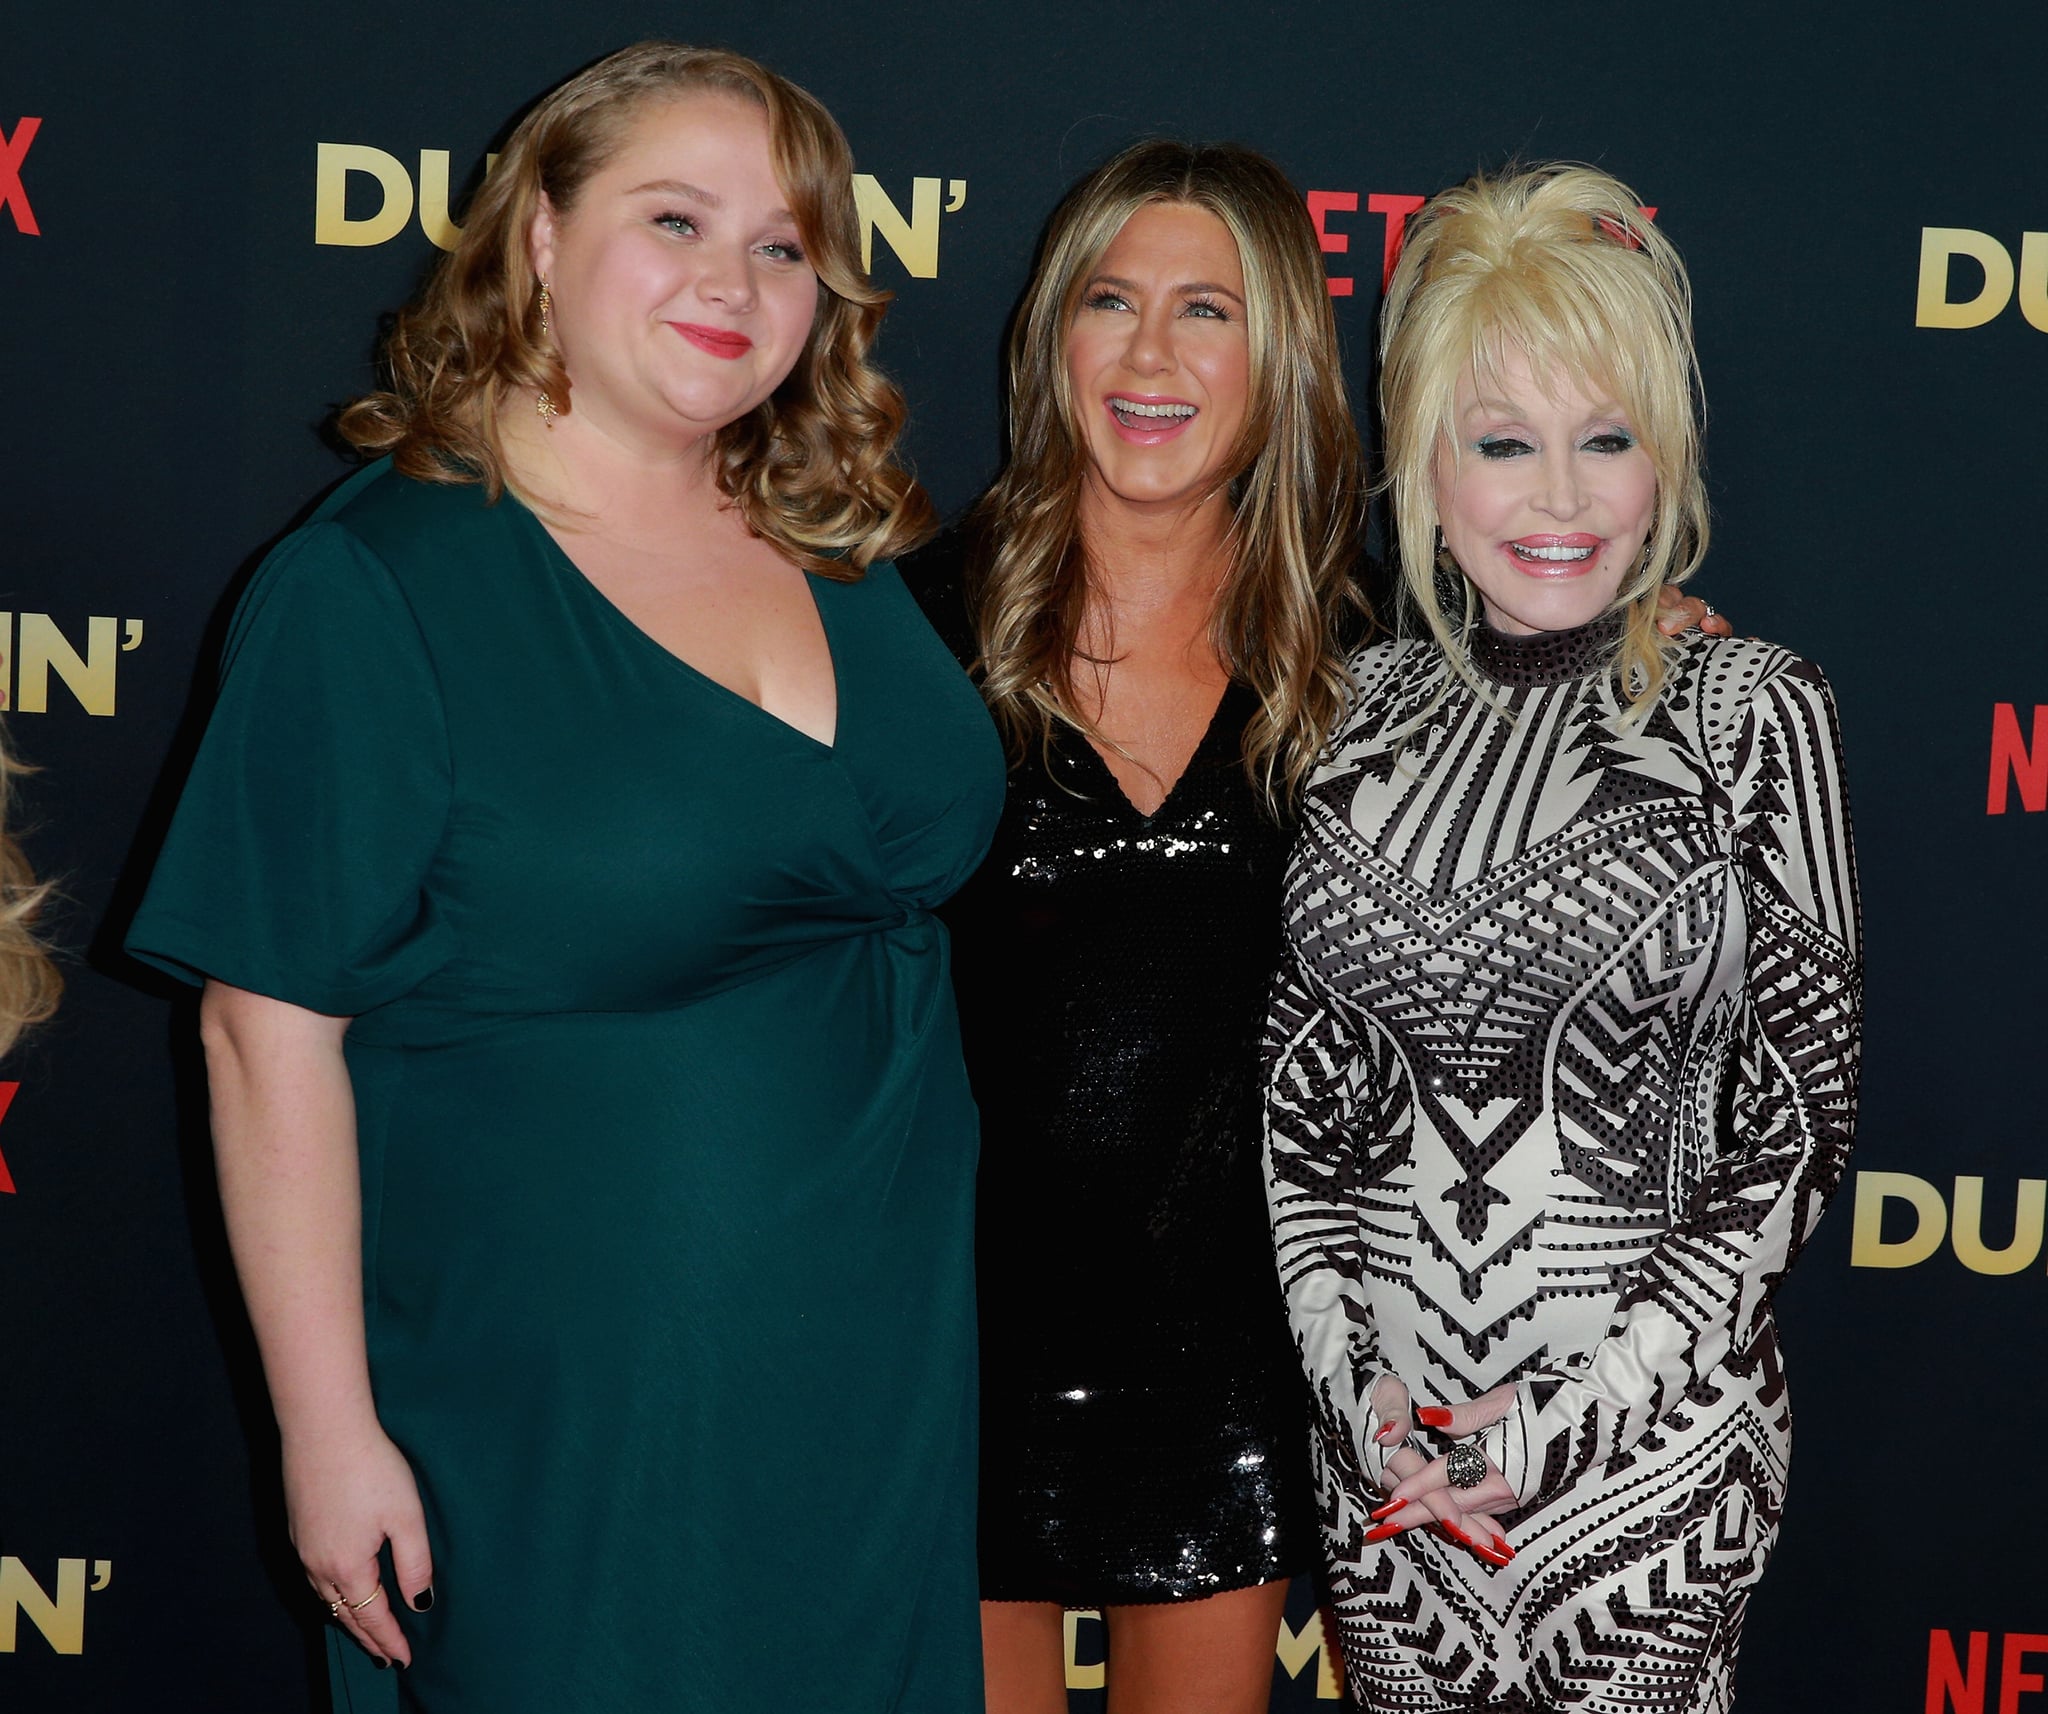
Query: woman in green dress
[[560, 860]]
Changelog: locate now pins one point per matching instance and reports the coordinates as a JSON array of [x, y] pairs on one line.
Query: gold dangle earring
[[543, 405]]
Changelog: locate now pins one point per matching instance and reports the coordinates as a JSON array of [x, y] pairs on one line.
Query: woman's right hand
[[1479, 1533], [284, 1140], [347, 1495], [1436, 1504]]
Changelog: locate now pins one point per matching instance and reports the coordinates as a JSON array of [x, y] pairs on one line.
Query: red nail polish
[[1433, 1416], [1455, 1533], [1383, 1533], [1388, 1510], [1385, 1431], [1500, 1546]]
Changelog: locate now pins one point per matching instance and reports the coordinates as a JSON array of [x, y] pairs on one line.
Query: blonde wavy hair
[[1559, 263], [1294, 479], [812, 469], [29, 982]]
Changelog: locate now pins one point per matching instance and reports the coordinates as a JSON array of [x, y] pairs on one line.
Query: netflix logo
[[1962, 1682], [2018, 758]]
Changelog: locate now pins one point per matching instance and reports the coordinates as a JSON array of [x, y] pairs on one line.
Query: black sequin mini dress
[[1144, 1420]]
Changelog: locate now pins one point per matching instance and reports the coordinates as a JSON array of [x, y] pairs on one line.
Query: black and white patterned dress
[[1562, 1071]]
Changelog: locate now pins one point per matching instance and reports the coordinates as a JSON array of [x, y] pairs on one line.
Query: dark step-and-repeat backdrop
[[204, 211]]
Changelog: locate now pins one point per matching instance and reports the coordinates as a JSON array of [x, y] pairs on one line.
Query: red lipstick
[[719, 341]]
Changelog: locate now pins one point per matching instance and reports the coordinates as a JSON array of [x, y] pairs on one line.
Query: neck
[[1146, 561], [580, 466]]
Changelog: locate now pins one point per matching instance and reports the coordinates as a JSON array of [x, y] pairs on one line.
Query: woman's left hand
[[1678, 612], [1424, 1494]]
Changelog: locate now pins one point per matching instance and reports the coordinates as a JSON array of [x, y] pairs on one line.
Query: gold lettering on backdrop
[[434, 221], [1080, 1677], [916, 240], [1938, 245], [1297, 1649], [40, 646], [1867, 1246], [1293, 1649], [2030, 1213], [2034, 279], [60, 1617], [1932, 1222], [331, 222]]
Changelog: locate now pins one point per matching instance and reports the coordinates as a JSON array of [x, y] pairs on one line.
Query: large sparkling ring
[[1464, 1465], [1712, 612]]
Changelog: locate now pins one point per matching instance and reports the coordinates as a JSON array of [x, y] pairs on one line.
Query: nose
[[727, 276], [1150, 350], [1562, 493]]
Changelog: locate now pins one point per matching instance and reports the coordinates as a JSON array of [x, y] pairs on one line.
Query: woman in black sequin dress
[[1153, 595]]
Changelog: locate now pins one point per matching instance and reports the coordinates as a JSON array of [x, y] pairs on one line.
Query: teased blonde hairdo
[[1294, 478], [811, 469], [1559, 263]]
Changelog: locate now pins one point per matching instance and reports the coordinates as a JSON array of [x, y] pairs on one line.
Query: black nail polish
[[423, 1600], [380, 1662]]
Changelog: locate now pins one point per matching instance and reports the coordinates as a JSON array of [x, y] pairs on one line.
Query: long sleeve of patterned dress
[[1699, 1298], [1319, 1160]]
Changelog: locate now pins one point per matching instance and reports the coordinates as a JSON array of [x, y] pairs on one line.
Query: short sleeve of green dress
[[304, 835], [667, 1151]]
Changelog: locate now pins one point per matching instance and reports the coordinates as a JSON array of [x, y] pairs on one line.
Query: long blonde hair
[[1559, 263], [812, 469], [29, 982], [1295, 483]]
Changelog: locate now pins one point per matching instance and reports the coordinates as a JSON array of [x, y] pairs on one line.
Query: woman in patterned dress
[[1562, 1065]]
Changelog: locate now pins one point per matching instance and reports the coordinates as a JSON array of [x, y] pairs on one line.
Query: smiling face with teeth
[[1545, 497], [1159, 364]]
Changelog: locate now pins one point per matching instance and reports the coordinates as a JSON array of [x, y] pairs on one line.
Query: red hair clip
[[1619, 233]]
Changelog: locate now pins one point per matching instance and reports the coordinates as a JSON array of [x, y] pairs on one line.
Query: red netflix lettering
[[13, 194], [1949, 1689], [2015, 761], [7, 1091], [2011, 1680], [1396, 209], [1320, 205]]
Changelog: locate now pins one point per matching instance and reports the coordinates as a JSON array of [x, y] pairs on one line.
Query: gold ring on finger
[[358, 1606]]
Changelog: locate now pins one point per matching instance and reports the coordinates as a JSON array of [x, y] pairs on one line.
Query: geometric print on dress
[[1561, 1074]]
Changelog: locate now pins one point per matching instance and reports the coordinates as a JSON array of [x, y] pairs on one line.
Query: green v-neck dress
[[667, 1150]]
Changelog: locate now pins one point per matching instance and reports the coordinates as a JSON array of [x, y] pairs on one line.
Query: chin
[[1566, 610]]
